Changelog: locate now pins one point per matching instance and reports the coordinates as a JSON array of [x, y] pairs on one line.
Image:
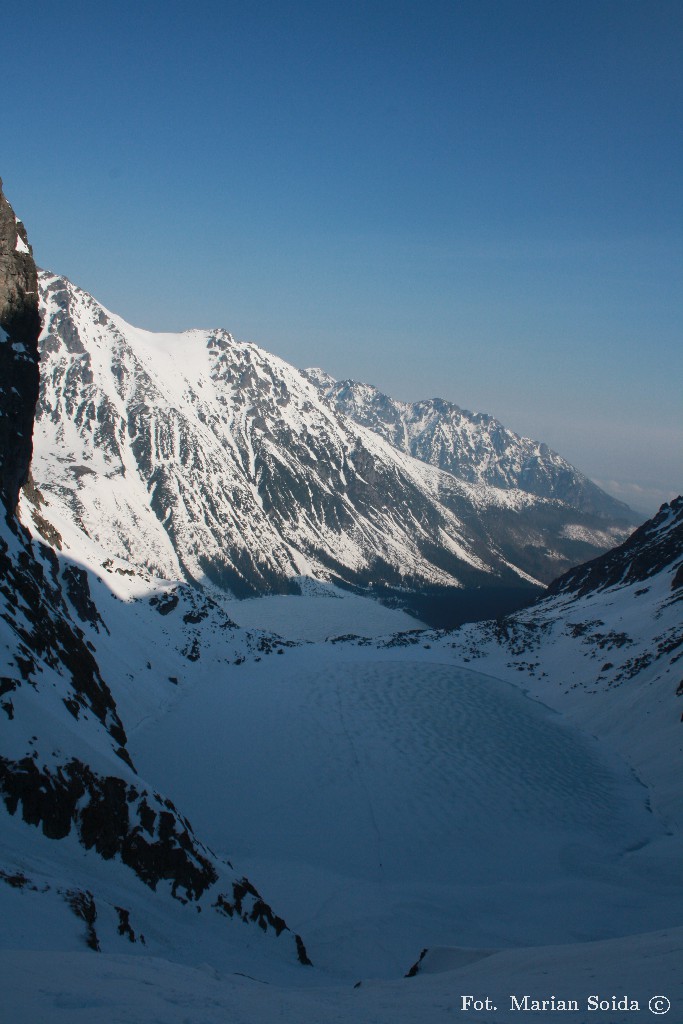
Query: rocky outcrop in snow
[[654, 547]]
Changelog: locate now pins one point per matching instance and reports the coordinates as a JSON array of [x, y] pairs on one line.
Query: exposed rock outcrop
[[19, 331]]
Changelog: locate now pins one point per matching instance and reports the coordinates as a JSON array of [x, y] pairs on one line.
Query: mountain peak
[[319, 377], [243, 473]]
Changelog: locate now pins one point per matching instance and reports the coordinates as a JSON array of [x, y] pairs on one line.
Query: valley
[[239, 780]]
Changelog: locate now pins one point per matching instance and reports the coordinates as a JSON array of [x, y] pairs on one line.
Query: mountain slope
[[234, 471], [86, 831], [655, 547], [472, 446]]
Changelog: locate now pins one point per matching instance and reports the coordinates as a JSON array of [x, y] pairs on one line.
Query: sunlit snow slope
[[200, 457]]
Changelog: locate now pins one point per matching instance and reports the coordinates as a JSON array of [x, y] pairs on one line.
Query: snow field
[[385, 806], [79, 988]]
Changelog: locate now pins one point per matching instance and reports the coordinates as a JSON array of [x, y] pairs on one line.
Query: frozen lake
[[388, 805]]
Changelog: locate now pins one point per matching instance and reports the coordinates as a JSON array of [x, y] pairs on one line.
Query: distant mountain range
[[471, 446], [202, 458]]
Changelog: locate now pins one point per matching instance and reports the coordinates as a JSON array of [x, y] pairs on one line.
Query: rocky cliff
[[19, 331]]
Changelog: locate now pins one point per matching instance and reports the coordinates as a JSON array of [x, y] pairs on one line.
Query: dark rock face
[[83, 906], [141, 828], [19, 331], [32, 603], [114, 818]]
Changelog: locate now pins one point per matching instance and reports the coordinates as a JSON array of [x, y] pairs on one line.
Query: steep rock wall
[[19, 331]]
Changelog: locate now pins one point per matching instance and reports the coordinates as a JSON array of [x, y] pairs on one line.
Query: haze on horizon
[[477, 200]]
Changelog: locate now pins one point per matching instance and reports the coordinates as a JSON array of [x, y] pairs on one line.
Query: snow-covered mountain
[[371, 787], [203, 458], [472, 446]]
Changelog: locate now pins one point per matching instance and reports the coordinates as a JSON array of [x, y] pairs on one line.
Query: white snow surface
[[383, 790], [79, 988]]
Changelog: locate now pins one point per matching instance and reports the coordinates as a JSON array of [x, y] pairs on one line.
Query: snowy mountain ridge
[[471, 446], [235, 471], [213, 445]]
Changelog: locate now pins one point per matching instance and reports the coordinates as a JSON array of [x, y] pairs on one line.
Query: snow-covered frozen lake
[[327, 612], [388, 805]]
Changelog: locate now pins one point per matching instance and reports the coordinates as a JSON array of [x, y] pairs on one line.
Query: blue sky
[[476, 199]]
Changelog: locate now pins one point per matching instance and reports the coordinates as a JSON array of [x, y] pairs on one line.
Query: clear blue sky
[[477, 199]]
